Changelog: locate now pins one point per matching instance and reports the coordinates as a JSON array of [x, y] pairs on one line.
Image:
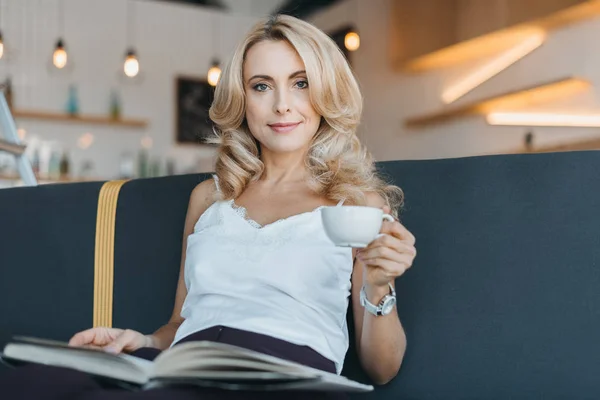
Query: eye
[[260, 87], [302, 84]]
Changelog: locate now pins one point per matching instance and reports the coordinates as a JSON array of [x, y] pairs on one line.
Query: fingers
[[112, 340], [86, 337], [128, 340], [387, 240], [389, 253], [391, 261], [386, 269], [398, 230]]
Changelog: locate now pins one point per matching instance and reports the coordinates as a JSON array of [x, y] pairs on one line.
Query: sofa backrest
[[503, 300]]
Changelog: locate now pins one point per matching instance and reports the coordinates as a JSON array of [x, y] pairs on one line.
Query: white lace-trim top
[[285, 279]]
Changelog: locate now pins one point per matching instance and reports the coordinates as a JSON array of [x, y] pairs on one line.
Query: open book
[[201, 363]]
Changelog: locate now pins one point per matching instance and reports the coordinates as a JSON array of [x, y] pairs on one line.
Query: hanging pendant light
[[59, 57], [214, 73], [131, 67], [352, 38], [60, 60]]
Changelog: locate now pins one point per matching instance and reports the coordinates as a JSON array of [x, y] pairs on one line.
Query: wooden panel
[[478, 17], [515, 100], [479, 29], [421, 27]]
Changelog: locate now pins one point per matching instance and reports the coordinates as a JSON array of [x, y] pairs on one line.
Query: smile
[[284, 127]]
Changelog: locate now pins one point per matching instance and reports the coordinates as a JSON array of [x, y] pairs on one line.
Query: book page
[[204, 362], [205, 355], [94, 361]]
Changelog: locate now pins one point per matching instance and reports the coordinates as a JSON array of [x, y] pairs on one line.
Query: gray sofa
[[503, 300]]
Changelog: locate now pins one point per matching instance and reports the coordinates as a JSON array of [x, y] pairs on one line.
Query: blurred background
[[105, 89]]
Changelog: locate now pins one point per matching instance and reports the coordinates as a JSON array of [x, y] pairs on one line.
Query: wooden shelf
[[81, 119], [501, 39], [46, 179], [509, 101], [581, 145]]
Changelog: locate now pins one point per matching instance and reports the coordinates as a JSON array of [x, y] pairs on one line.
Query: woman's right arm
[[201, 198], [117, 340]]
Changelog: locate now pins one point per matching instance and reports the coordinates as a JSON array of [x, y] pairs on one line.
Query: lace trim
[[243, 213]]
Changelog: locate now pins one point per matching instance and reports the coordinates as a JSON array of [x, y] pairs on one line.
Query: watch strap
[[372, 308]]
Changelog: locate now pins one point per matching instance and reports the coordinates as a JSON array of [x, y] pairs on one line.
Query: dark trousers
[[46, 382]]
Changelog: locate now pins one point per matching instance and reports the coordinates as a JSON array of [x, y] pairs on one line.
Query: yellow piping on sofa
[[104, 257]]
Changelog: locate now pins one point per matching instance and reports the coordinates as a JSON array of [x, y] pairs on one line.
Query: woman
[[257, 268]]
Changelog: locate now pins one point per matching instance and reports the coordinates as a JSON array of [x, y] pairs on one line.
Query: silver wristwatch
[[384, 307]]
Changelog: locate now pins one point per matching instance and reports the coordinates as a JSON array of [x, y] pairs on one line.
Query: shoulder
[[203, 196]]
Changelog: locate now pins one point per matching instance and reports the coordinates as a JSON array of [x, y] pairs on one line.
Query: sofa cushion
[[502, 300]]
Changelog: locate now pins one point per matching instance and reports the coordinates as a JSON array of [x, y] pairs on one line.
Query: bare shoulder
[[202, 196], [374, 199]]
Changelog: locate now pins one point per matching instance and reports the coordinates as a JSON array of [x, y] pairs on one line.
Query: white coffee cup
[[353, 226]]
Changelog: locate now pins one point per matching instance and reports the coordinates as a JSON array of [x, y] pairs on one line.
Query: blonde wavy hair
[[339, 165]]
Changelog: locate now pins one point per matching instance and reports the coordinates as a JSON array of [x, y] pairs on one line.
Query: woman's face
[[278, 108]]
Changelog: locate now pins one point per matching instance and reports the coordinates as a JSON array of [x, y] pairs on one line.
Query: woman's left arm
[[380, 340]]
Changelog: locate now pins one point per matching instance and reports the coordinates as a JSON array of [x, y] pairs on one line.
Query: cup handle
[[386, 217]]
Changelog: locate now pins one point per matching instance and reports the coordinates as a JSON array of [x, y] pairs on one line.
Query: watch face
[[388, 305]]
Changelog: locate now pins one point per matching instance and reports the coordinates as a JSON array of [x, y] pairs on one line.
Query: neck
[[283, 167]]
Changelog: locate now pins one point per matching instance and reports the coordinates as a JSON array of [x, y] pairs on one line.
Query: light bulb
[[352, 41], [132, 65], [1, 45], [214, 73], [59, 58]]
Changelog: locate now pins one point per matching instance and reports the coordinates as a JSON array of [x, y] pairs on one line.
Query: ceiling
[[298, 8], [304, 8], [201, 3]]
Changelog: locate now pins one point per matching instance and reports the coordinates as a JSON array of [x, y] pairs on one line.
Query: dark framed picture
[[193, 97], [338, 37]]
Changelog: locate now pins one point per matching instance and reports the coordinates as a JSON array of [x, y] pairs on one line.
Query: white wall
[[171, 39], [391, 97], [176, 39]]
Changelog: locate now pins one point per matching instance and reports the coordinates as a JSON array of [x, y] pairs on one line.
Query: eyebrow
[[269, 78]]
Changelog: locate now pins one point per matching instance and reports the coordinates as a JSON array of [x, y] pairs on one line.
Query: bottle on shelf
[[115, 106], [127, 166], [35, 161], [73, 101], [143, 164], [54, 163], [65, 165], [154, 168], [170, 168]]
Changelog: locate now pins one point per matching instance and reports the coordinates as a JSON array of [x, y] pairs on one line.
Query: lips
[[284, 127]]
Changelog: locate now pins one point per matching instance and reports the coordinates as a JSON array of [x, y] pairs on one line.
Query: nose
[[282, 102]]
